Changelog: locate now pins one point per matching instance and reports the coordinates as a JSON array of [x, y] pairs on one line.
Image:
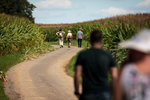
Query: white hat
[[140, 42]]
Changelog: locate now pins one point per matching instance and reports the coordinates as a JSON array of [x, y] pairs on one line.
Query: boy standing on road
[[79, 37], [60, 34], [93, 64]]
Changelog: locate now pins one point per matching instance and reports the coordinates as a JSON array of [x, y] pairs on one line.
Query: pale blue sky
[[72, 11]]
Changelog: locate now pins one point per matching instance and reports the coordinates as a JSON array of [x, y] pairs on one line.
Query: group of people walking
[[69, 37], [131, 83]]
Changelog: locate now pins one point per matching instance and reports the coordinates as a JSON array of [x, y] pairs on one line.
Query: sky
[[73, 11]]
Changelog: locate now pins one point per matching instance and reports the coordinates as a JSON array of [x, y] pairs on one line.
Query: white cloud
[[113, 11], [54, 4], [145, 3]]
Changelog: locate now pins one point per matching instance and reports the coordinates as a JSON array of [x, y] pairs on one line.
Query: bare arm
[[78, 72], [114, 75], [57, 33], [82, 36], [119, 88], [63, 32], [77, 37], [119, 93]]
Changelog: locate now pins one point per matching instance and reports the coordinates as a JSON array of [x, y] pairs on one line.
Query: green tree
[[21, 8]]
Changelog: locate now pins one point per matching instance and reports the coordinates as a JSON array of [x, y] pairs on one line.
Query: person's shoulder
[[129, 69], [106, 53], [84, 52], [128, 66]]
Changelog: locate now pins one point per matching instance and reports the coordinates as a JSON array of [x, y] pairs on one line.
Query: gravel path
[[43, 78]]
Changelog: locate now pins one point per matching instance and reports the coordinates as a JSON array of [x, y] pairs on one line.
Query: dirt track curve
[[43, 78]]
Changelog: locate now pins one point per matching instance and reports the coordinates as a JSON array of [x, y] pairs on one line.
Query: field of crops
[[17, 34], [51, 25], [19, 40], [115, 29]]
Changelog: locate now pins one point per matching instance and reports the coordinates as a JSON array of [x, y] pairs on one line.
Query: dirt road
[[43, 78]]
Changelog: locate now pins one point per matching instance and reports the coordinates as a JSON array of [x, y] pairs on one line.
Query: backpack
[[60, 34], [69, 35]]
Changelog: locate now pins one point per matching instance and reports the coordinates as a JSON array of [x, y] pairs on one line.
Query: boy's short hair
[[96, 36], [60, 29]]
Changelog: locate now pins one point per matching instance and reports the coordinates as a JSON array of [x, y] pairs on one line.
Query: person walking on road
[[69, 37], [60, 35], [79, 37], [93, 64]]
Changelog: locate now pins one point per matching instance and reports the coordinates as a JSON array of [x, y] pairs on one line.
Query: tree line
[[21, 8]]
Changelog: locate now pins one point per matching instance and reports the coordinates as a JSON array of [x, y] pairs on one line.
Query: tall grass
[[17, 34], [6, 62], [19, 40], [114, 29], [136, 22]]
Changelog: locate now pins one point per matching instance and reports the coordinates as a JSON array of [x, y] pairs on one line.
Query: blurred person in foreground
[[60, 35], [93, 64], [69, 38], [134, 81], [79, 37]]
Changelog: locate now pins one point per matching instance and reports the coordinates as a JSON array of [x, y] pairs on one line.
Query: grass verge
[[6, 62], [71, 65], [12, 59]]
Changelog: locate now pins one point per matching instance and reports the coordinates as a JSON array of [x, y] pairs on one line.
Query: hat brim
[[135, 45]]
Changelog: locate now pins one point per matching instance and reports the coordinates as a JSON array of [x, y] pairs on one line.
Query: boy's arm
[[78, 72], [63, 32], [114, 76]]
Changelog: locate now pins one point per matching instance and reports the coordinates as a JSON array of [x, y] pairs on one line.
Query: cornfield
[[115, 29], [17, 34]]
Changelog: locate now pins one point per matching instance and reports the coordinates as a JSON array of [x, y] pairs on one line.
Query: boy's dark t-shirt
[[96, 64]]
